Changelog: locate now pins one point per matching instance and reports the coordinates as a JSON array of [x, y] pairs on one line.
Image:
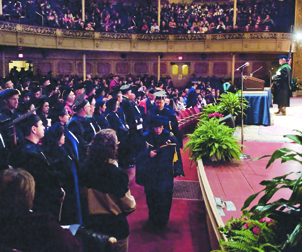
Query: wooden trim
[[214, 220]]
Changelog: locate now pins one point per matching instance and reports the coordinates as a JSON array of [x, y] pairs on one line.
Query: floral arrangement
[[246, 234], [216, 115]]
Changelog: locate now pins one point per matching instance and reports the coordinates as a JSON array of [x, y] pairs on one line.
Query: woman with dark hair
[[98, 115], [108, 185], [64, 165], [122, 132], [42, 106], [22, 229]]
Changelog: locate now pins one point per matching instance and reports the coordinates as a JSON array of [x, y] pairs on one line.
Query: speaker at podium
[[252, 84]]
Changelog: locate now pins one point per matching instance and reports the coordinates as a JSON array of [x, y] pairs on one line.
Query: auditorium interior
[[155, 42]]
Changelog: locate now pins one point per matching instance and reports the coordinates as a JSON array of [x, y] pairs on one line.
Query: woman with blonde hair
[[21, 228]]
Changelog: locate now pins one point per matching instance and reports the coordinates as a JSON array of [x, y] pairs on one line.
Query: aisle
[[186, 229]]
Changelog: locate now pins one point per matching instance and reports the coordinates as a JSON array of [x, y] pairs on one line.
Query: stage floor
[[236, 181]]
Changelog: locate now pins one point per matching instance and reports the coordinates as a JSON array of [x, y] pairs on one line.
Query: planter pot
[[213, 158], [295, 94]]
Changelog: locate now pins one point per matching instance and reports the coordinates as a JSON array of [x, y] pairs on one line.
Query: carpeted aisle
[[186, 229]]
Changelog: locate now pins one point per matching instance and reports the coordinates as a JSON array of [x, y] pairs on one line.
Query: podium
[[252, 84]]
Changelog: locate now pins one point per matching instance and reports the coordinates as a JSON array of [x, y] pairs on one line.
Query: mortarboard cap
[[58, 110], [35, 89], [160, 95], [79, 102], [89, 85], [125, 88], [283, 57], [8, 93], [157, 121], [110, 104], [151, 91], [78, 86], [65, 91]]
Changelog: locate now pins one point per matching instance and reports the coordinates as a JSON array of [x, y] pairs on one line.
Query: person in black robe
[[156, 168], [49, 193], [170, 123], [282, 85]]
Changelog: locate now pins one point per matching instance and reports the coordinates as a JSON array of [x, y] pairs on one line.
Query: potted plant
[[245, 234], [285, 213], [295, 86], [212, 140], [230, 103]]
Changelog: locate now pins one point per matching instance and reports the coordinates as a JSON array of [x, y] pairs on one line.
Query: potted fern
[[230, 103], [244, 234], [212, 140]]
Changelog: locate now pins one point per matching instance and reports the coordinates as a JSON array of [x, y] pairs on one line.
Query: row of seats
[[187, 119]]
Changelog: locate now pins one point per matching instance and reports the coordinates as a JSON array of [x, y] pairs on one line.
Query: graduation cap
[[35, 89], [58, 110], [157, 121], [151, 91], [160, 95], [8, 93], [125, 88], [89, 86], [283, 57], [79, 102], [78, 86], [65, 91], [110, 104]]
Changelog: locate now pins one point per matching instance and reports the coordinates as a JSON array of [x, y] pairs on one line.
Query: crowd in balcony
[[252, 16]]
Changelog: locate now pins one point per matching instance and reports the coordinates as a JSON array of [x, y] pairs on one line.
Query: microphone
[[244, 65]]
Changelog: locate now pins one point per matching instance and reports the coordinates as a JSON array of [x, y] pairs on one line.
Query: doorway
[[18, 64], [180, 73]]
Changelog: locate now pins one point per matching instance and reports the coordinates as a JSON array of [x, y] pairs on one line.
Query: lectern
[[252, 84]]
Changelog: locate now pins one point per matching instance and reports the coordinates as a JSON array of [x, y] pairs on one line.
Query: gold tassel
[[175, 158]]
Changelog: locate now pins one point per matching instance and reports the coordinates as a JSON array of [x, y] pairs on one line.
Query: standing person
[[9, 100], [49, 194], [171, 123], [282, 81], [64, 166], [192, 96], [106, 186], [99, 114], [81, 127], [156, 168], [122, 133]]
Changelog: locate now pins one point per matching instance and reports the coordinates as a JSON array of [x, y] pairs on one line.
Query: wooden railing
[[15, 34]]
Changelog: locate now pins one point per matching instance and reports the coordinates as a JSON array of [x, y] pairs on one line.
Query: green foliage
[[287, 212], [296, 85], [247, 235], [207, 110], [211, 138], [230, 103]]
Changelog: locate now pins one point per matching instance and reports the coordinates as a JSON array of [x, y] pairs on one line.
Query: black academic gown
[[84, 131], [48, 192], [157, 174], [171, 123], [282, 86]]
